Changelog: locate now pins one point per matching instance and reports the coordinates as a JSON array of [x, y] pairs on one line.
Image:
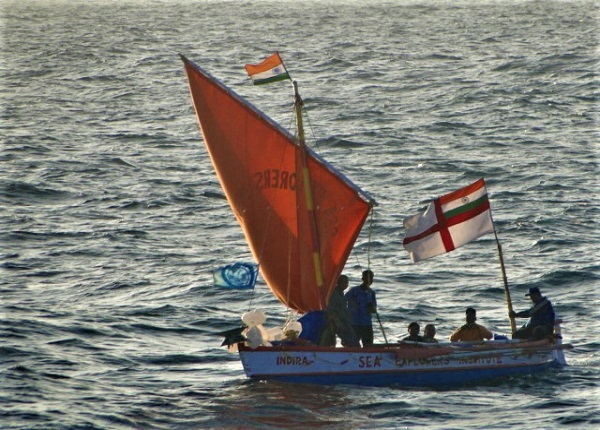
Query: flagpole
[[513, 326]]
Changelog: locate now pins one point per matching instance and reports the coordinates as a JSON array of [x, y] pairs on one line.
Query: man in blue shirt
[[541, 317], [361, 305]]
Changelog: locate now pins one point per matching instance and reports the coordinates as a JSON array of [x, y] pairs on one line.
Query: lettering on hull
[[286, 360], [481, 360], [422, 362], [434, 362], [369, 361]]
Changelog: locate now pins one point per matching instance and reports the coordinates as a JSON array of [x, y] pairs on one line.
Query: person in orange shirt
[[471, 331]]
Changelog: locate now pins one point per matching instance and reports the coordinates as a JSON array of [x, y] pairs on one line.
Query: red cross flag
[[449, 222]]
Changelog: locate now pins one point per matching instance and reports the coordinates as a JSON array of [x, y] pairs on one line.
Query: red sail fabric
[[260, 169]]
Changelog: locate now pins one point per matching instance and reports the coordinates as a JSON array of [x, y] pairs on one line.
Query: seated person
[[471, 331], [541, 317], [429, 334], [413, 329]]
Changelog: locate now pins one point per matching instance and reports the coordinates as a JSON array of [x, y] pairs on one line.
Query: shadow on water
[[251, 404]]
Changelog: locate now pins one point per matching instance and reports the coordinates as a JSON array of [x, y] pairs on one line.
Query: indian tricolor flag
[[270, 70], [450, 221]]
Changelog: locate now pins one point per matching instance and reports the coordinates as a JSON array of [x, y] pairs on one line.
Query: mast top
[[297, 99]]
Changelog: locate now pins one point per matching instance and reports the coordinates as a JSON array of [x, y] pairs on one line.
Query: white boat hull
[[402, 365]]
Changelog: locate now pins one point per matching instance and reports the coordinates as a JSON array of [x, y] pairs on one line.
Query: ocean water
[[112, 218]]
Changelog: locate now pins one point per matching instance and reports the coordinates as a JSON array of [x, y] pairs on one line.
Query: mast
[[298, 105]]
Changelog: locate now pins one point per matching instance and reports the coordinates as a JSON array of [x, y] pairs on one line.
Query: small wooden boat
[[301, 218]]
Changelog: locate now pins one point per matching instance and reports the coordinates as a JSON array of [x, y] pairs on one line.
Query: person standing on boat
[[362, 304], [471, 331], [541, 317], [338, 317]]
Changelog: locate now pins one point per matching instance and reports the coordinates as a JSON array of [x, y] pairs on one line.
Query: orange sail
[[260, 167]]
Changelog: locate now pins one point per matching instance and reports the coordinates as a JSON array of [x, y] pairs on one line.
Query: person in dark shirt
[[541, 317], [339, 318], [362, 304], [413, 333]]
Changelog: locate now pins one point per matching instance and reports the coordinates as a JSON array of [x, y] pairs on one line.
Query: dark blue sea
[[112, 219]]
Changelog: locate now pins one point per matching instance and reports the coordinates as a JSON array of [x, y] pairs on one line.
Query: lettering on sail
[[275, 178], [287, 360], [369, 361]]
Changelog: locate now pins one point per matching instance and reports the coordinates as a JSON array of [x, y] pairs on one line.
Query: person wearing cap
[[541, 317], [471, 331]]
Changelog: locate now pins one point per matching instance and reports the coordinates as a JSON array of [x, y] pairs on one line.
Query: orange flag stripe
[[268, 64], [455, 195]]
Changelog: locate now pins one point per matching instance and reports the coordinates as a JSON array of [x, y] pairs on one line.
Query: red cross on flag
[[449, 222]]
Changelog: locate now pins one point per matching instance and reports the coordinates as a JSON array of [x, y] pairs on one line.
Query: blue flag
[[239, 276]]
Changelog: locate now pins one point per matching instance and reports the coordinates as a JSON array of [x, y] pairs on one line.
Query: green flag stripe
[[272, 79], [464, 208]]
